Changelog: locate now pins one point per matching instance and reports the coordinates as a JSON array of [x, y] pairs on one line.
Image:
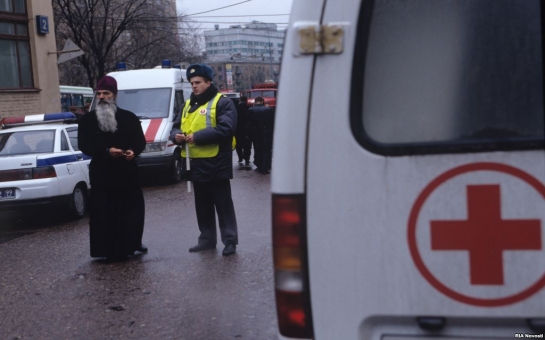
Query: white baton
[[187, 166]]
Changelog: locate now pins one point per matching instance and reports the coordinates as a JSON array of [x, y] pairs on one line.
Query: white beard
[[106, 115]]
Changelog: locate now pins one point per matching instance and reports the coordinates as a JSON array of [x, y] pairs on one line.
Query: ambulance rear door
[[425, 171]]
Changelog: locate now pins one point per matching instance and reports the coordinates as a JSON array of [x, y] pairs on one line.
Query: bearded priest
[[113, 137]]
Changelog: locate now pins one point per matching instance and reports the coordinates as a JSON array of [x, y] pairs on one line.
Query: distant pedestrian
[[113, 137], [244, 145], [208, 123], [260, 125]]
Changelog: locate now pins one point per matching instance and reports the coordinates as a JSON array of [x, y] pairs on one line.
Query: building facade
[[253, 40], [241, 75], [29, 81], [243, 55]]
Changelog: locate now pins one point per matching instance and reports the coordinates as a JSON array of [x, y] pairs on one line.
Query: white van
[[75, 96], [156, 96], [408, 171]]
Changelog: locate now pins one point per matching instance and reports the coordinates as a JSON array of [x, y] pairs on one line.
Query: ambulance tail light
[[291, 266], [44, 172]]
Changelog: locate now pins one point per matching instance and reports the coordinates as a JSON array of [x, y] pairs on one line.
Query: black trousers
[[211, 198], [262, 151], [244, 147], [116, 221]]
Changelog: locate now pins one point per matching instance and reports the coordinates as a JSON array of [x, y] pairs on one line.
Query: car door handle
[[79, 157]]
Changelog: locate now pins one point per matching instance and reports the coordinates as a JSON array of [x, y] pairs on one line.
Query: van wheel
[[78, 202], [177, 171]]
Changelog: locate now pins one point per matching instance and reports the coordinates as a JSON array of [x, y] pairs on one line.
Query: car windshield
[[255, 94], [269, 94], [264, 93], [145, 103], [26, 142]]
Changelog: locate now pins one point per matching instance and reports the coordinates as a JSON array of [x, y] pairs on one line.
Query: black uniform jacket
[[260, 122], [105, 171], [220, 166]]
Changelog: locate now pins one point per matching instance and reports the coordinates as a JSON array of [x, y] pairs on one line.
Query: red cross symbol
[[485, 235]]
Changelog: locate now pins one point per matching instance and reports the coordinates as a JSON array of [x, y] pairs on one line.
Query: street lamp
[[270, 47]]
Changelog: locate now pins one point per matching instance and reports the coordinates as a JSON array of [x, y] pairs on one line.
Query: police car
[[40, 164]]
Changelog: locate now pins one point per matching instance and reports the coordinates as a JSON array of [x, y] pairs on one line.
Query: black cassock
[[117, 208]]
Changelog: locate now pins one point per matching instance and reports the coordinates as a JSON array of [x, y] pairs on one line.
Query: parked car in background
[[41, 165], [235, 96]]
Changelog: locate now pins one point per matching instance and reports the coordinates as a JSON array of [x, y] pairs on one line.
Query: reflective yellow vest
[[203, 117]]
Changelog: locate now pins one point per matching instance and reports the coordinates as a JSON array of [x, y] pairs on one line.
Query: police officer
[[208, 123]]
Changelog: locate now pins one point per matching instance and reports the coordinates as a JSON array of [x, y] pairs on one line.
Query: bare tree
[[139, 32]]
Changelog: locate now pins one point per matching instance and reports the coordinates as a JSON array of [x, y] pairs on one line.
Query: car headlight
[[155, 147]]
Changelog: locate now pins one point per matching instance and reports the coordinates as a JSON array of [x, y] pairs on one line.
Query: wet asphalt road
[[51, 289]]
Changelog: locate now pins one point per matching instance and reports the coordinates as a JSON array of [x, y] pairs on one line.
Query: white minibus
[[408, 171], [75, 96]]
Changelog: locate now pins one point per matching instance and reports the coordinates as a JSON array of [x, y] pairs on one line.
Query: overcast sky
[[238, 12]]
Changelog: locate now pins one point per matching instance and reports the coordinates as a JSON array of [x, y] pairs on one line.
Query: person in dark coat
[[207, 126], [244, 145], [260, 125], [113, 137]]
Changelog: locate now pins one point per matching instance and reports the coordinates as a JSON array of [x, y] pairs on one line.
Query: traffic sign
[[471, 228]]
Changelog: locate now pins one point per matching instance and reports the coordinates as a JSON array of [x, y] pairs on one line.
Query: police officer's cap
[[200, 70]]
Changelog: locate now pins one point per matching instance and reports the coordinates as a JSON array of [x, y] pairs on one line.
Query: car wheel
[[78, 202], [177, 167]]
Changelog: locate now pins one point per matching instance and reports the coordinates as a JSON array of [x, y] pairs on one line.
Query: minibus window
[[77, 100], [435, 76], [145, 103], [66, 102]]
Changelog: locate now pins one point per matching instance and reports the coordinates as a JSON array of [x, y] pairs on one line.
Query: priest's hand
[[129, 155], [116, 153]]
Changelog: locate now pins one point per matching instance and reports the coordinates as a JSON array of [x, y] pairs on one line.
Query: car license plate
[[7, 194]]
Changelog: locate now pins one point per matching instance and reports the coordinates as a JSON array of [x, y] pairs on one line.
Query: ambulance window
[[178, 102], [448, 76], [146, 103]]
